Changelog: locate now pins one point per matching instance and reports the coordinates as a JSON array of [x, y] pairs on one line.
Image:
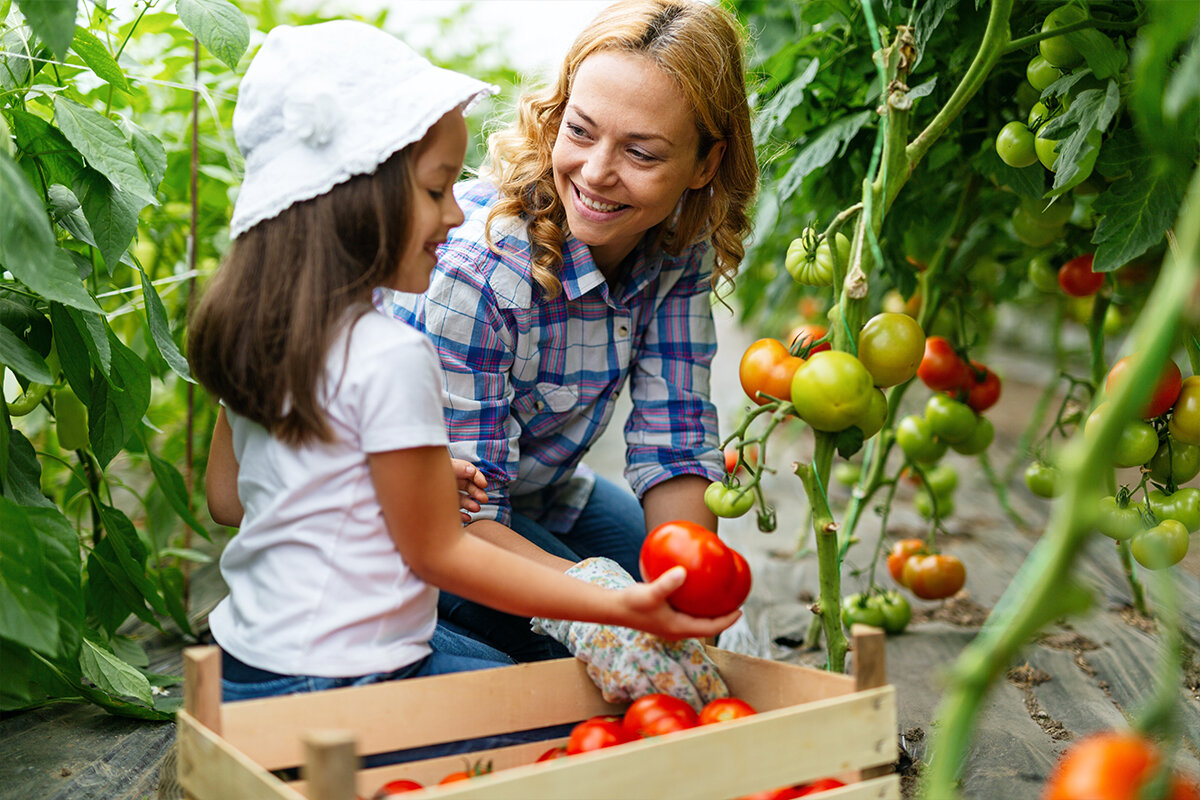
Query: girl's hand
[[647, 602], [471, 486]]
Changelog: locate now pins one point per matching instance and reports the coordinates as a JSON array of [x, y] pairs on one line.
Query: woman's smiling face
[[626, 151]]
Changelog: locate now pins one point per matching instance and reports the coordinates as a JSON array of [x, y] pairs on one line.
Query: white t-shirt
[[316, 585]]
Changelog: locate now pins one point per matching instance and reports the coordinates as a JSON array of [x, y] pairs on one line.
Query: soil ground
[[1078, 676]]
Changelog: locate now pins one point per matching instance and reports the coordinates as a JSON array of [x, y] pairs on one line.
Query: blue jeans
[[612, 525], [436, 663]]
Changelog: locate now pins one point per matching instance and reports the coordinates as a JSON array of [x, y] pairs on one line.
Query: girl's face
[[434, 210], [626, 151]]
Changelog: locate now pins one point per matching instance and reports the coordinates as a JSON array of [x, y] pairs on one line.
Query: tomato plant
[[933, 576], [891, 347], [941, 369], [718, 578], [597, 733], [832, 390], [767, 367], [1162, 397], [657, 714], [723, 709]]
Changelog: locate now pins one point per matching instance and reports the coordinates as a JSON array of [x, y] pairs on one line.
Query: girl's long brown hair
[[259, 336], [697, 43]]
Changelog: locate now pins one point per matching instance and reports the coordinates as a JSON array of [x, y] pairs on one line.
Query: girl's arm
[[417, 491], [220, 479], [680, 498]]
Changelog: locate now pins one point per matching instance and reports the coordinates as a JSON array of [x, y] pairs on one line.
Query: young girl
[[330, 448]]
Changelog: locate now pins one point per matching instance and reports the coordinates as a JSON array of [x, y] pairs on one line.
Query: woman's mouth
[[596, 205]]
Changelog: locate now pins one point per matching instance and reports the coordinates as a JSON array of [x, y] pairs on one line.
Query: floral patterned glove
[[626, 663]]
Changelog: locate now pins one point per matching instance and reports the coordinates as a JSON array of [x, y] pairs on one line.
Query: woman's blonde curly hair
[[700, 46]]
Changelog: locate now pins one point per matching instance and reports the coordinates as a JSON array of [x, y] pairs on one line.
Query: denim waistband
[[237, 671]]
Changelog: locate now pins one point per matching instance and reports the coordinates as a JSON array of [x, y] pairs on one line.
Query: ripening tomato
[[723, 709], [805, 334], [899, 555], [767, 367], [392, 788], [891, 347], [982, 392], [657, 714], [597, 733], [1166, 389], [1111, 765], [749, 456], [933, 576], [1076, 278], [718, 578], [455, 777], [832, 390], [556, 752], [941, 368]]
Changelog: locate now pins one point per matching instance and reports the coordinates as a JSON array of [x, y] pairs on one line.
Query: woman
[[590, 246]]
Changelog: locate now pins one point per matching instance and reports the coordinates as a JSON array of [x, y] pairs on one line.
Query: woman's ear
[[707, 167]]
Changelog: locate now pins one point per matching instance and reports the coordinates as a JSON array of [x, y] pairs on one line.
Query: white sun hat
[[322, 103]]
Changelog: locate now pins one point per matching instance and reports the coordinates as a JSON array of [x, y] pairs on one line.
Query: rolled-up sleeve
[[672, 429], [476, 349]]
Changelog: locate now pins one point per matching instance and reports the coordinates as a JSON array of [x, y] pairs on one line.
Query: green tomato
[[924, 502], [1162, 546], [1039, 115], [1116, 522], [825, 256], [949, 419], [1058, 50], [1184, 424], [1182, 506], [891, 347], [728, 501], [832, 390], [1174, 462], [1050, 214], [1042, 479], [942, 480], [980, 440], [1014, 145], [1029, 232], [1043, 275], [856, 608], [847, 473], [896, 610], [803, 264], [871, 422], [1041, 73], [1137, 443], [917, 440], [70, 420]]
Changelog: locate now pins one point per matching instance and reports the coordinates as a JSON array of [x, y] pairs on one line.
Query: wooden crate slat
[[211, 768], [771, 684]]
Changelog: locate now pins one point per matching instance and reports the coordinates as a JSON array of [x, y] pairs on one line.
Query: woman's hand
[[647, 604], [471, 486]]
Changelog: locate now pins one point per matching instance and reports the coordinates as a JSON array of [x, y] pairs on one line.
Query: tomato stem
[[815, 476]]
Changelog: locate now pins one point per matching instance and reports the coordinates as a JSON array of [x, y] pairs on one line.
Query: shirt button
[[623, 330], [539, 405]]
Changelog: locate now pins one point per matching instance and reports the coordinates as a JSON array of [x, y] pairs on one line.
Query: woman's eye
[[642, 155], [575, 130]]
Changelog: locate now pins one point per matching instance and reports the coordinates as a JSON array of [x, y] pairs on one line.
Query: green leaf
[[23, 481], [149, 151], [1091, 110], [110, 674], [219, 26], [49, 156], [820, 150], [52, 20], [779, 107], [174, 591], [64, 569], [112, 214], [28, 609], [104, 147], [1137, 209], [130, 555], [5, 436], [26, 240], [171, 484], [69, 214], [1105, 58], [15, 68], [160, 330], [96, 56], [22, 358], [116, 408]]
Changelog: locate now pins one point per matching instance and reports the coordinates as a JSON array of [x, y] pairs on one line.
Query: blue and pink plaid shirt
[[531, 383]]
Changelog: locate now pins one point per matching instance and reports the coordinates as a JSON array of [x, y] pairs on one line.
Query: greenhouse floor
[[1078, 676]]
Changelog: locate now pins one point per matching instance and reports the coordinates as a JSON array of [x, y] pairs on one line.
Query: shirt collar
[[580, 275]]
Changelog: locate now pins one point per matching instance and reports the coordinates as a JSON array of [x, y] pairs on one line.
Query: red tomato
[[399, 786], [1077, 279], [1165, 393], [941, 368], [724, 709], [597, 733], [802, 335], [816, 787], [749, 453], [982, 393], [1111, 765], [718, 579], [454, 777], [767, 367], [901, 552], [656, 714], [782, 793], [934, 576], [554, 752]]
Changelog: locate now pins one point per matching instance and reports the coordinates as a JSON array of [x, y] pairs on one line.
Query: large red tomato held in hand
[[718, 578]]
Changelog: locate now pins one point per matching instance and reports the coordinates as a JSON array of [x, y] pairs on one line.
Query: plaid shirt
[[532, 383]]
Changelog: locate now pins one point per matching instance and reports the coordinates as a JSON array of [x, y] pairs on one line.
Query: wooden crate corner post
[[870, 672], [330, 765]]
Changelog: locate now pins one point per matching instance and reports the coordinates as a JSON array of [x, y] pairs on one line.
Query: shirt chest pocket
[[540, 411]]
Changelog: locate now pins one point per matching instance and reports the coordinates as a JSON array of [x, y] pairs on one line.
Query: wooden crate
[[811, 724]]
